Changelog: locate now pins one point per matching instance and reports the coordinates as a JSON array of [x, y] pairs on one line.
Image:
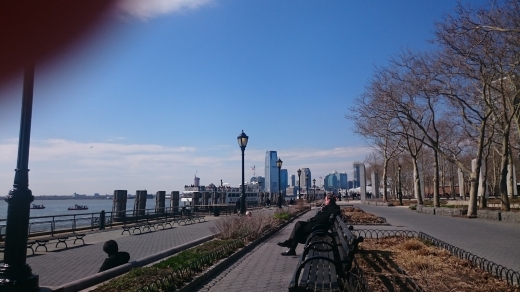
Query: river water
[[59, 207]]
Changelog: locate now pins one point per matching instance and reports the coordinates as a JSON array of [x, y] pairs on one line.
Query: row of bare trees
[[458, 102]]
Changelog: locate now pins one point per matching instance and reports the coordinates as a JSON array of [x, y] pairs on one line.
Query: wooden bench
[[327, 259], [140, 225], [29, 246], [60, 239], [199, 218]]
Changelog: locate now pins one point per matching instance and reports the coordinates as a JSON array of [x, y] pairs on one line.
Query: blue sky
[[164, 88]]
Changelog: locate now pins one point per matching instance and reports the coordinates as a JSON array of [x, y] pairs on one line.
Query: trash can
[[216, 211]]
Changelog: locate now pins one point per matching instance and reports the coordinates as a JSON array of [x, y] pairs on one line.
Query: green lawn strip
[[282, 215], [140, 277]]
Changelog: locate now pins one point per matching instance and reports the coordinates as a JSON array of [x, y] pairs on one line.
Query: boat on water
[[34, 206], [78, 207]]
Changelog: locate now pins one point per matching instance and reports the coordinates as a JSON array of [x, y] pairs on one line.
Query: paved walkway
[[264, 269]]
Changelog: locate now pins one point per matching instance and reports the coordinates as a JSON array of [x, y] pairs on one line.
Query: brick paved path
[[263, 269], [66, 265]]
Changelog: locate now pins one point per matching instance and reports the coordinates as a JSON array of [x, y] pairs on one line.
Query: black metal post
[[299, 185], [279, 190], [243, 196], [15, 273]]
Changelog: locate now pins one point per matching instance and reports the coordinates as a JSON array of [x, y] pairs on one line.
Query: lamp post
[[15, 273], [299, 184], [314, 184], [242, 142], [279, 165], [399, 190]]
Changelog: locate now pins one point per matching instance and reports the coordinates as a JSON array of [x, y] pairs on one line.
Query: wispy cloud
[[61, 167], [146, 9]]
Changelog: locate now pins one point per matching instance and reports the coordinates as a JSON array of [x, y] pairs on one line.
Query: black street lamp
[[314, 184], [399, 191], [242, 142], [279, 165], [299, 184], [15, 273]]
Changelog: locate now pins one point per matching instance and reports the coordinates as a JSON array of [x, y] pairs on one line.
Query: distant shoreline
[[37, 198]]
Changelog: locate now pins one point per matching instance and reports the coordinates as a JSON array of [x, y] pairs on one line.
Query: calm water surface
[[59, 207]]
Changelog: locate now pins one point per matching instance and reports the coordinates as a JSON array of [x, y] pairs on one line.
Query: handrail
[[52, 224]]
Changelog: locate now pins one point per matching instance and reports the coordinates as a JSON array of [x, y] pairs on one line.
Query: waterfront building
[[343, 180], [284, 177], [306, 180], [259, 180], [271, 172], [357, 175], [292, 180]]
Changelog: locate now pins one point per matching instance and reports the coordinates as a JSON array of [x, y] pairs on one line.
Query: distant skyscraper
[[343, 180], [284, 177], [306, 180], [293, 180], [271, 172], [357, 177]]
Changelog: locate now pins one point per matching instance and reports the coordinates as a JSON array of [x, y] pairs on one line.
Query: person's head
[[249, 214], [110, 247], [330, 199]]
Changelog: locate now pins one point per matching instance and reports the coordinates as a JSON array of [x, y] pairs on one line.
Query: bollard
[[102, 220]]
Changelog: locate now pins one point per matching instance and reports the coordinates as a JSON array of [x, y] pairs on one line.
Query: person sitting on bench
[[115, 257], [302, 229]]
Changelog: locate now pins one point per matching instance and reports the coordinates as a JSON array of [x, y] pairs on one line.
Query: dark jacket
[[120, 258], [322, 217]]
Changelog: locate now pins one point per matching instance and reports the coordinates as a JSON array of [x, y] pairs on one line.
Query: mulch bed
[[409, 264], [356, 216]]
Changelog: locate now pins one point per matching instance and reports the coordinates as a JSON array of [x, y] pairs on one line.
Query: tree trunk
[[503, 175], [385, 184], [417, 182], [436, 200]]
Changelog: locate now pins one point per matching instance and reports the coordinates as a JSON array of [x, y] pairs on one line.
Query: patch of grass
[[283, 215], [146, 275]]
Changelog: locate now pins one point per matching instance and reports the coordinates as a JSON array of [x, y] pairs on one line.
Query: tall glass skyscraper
[[284, 177], [357, 176], [271, 172]]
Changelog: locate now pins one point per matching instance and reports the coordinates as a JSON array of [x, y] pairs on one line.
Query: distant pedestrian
[[115, 257]]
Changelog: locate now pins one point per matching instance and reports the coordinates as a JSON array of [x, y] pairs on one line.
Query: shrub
[[235, 227]]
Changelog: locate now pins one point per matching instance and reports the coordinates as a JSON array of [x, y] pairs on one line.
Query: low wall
[[375, 203], [483, 214]]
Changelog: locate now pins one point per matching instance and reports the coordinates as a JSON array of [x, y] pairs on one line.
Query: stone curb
[[220, 266], [98, 278]]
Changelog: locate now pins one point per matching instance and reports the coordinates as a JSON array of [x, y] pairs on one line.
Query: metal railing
[[52, 224]]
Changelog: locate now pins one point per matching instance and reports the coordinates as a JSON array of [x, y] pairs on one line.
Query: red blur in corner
[[33, 30]]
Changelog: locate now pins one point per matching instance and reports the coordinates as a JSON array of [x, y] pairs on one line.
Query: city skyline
[[162, 90]]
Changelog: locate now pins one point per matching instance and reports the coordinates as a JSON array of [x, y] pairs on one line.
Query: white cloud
[[62, 167], [146, 9]]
